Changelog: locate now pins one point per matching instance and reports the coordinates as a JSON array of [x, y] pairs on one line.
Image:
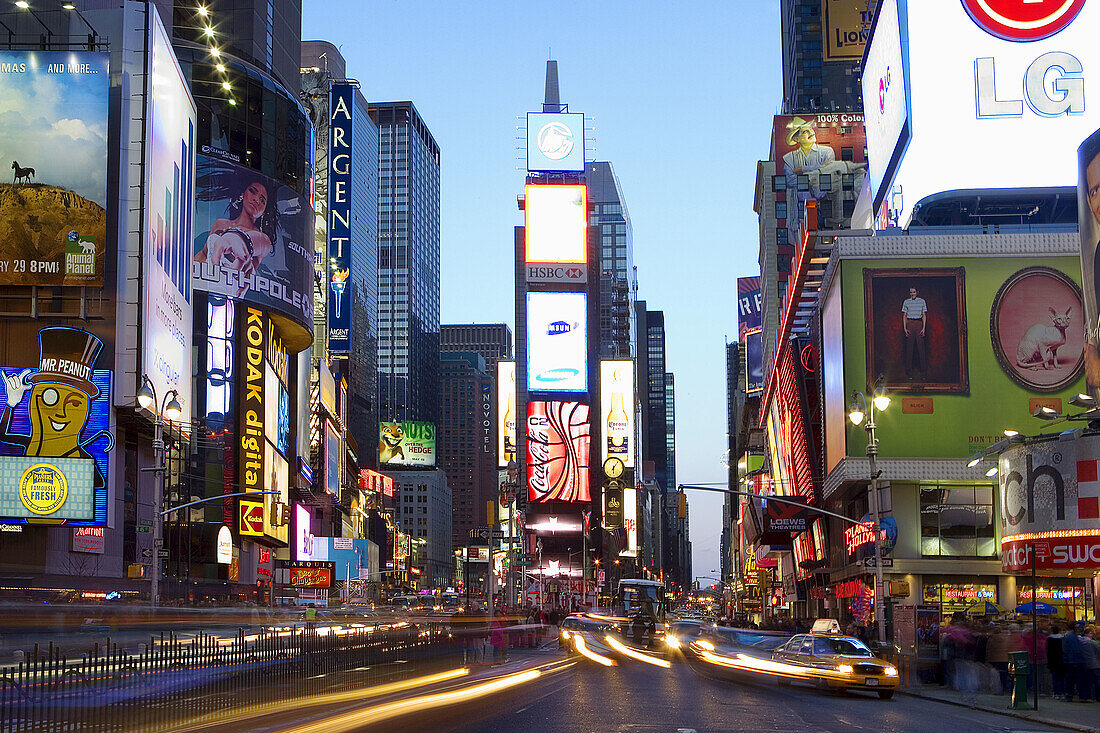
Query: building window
[[779, 183], [957, 521], [780, 209], [781, 237], [846, 153]]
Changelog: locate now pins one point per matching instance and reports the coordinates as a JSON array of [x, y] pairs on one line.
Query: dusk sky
[[680, 104]]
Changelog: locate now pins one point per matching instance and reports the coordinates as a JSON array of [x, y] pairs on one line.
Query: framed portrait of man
[[1088, 218], [916, 329]]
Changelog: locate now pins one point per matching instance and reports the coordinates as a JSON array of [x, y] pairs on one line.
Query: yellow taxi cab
[[835, 661]]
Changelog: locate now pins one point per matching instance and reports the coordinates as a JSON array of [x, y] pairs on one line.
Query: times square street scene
[[410, 365]]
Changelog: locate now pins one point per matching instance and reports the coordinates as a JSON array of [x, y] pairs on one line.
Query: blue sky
[[680, 96]]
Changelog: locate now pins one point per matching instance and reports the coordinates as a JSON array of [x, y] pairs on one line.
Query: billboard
[[749, 305], [846, 26], [340, 184], [251, 401], [170, 200], [617, 411], [53, 215], [1088, 224], [556, 224], [555, 142], [1050, 504], [506, 411], [558, 451], [332, 459], [55, 432], [253, 242], [303, 537], [887, 101], [406, 444], [819, 155], [557, 342], [754, 361], [989, 70], [630, 522]]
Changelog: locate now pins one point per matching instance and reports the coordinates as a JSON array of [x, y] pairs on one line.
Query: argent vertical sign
[[339, 225]]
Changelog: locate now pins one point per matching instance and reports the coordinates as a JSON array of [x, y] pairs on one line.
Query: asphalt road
[[638, 697]]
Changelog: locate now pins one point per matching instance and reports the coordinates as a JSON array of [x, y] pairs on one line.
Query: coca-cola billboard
[[558, 450]]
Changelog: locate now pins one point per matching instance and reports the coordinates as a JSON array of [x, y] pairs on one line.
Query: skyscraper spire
[[552, 100]]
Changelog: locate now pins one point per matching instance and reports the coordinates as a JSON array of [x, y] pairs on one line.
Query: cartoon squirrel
[[1039, 345], [389, 446]]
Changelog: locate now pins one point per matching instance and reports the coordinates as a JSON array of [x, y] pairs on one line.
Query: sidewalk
[[1081, 716]]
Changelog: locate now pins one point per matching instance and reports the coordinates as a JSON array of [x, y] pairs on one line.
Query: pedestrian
[[1092, 660], [1055, 663], [996, 653], [498, 639], [1073, 656]]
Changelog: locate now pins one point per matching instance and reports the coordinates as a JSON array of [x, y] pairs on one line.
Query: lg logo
[[883, 87], [1023, 20]]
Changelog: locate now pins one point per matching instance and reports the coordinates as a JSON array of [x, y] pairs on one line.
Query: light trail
[[635, 654], [578, 643]]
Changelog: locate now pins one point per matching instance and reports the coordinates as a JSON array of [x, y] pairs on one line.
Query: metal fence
[[173, 683]]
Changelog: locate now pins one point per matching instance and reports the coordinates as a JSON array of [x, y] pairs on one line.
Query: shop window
[[958, 597], [957, 521]]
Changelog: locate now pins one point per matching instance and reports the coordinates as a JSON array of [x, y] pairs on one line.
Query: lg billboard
[[996, 93]]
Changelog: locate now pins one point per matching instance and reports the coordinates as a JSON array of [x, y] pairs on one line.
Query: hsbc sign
[[542, 273]]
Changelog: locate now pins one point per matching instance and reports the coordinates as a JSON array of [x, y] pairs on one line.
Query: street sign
[[524, 564], [485, 533], [251, 518], [147, 552], [887, 562], [162, 553], [144, 529]]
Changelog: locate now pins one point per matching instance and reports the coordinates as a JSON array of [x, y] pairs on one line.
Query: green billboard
[[406, 444]]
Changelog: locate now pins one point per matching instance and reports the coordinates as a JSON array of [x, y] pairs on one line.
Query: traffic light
[[683, 505]]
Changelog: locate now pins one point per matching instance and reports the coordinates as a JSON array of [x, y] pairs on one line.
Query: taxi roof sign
[[825, 626]]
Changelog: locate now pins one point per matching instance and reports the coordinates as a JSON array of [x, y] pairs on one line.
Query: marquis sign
[[1023, 20]]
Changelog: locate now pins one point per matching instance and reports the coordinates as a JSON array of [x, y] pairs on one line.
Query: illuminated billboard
[[979, 71], [170, 201], [408, 443], [1088, 224], [557, 342], [251, 401], [556, 224], [53, 216], [630, 522], [332, 459], [55, 432], [617, 411], [254, 243], [754, 361], [845, 28], [506, 411], [558, 451], [303, 537], [555, 142], [749, 305], [887, 102], [340, 187]]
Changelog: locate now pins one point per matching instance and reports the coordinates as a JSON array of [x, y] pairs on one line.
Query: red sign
[[89, 539], [1023, 20], [252, 518], [311, 577], [558, 449], [1055, 553], [850, 589], [858, 535]]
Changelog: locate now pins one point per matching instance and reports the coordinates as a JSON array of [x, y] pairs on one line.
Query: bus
[[646, 596]]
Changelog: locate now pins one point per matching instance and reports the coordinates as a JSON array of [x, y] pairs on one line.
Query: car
[[582, 625], [835, 661]]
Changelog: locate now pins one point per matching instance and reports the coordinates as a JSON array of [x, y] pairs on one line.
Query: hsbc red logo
[[556, 273], [1023, 20]]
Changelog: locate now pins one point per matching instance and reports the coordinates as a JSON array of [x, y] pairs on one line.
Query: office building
[[618, 279], [408, 264], [467, 439], [424, 513], [820, 61], [346, 236], [492, 340]]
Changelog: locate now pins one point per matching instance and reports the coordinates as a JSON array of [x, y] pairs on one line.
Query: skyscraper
[[408, 264], [492, 340], [820, 58], [618, 281]]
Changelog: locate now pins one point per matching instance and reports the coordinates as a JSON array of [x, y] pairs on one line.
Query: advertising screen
[[55, 432], [303, 537], [847, 23], [170, 201], [406, 444], [506, 412], [340, 185], [251, 401], [332, 459], [53, 216], [754, 362], [277, 479], [555, 142], [558, 451], [630, 522], [253, 242], [981, 71], [886, 96], [1088, 224], [749, 305], [819, 155], [557, 342], [556, 224], [617, 411]]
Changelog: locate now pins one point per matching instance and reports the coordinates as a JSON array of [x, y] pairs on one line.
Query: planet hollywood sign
[[1050, 505]]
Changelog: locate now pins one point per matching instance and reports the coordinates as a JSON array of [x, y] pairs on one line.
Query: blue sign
[[555, 142], [341, 99]]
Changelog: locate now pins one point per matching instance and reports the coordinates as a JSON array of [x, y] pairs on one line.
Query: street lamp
[[857, 410], [170, 408]]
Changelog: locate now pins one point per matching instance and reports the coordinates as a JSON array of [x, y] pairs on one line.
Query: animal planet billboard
[[53, 215], [254, 243], [1050, 505]]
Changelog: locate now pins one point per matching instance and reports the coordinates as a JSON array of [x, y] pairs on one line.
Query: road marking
[[685, 730]]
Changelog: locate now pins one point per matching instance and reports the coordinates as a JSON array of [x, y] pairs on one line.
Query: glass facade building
[[408, 264], [466, 441], [618, 280], [810, 82]]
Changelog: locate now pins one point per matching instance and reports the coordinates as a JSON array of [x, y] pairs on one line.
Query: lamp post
[[170, 408], [859, 408]]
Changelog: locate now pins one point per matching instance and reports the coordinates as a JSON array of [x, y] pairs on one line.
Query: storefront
[[954, 597], [1069, 595]]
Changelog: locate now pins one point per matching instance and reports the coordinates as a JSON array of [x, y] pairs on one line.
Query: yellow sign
[[845, 27], [251, 518], [43, 489]]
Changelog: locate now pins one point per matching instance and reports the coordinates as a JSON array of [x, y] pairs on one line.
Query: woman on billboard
[[242, 238]]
